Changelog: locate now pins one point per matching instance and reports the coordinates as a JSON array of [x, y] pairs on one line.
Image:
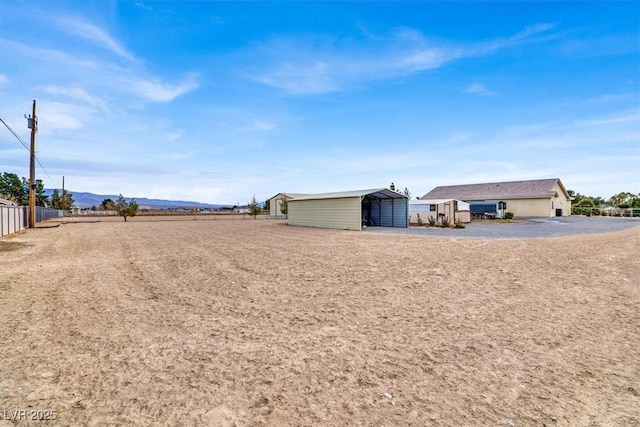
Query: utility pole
[[32, 123]]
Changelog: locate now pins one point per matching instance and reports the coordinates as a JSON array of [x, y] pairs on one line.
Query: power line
[[42, 167], [24, 144]]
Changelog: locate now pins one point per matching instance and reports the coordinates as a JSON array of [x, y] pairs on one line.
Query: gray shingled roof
[[532, 189]]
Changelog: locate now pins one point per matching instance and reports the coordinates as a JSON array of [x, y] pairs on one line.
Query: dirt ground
[[242, 322]]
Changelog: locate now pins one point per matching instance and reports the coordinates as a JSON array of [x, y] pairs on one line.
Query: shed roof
[[381, 193], [289, 195], [531, 189], [430, 201]]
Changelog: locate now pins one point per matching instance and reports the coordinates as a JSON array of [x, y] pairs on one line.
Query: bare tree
[[254, 208]]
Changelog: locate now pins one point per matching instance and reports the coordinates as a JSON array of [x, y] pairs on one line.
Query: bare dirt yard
[[240, 322]]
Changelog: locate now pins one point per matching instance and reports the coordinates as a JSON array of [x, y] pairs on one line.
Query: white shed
[[350, 210], [454, 211], [275, 202]]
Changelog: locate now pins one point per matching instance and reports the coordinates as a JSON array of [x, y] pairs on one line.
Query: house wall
[[529, 207], [341, 213], [561, 202]]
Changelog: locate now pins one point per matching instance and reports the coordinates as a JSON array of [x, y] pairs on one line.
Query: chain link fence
[[605, 211]]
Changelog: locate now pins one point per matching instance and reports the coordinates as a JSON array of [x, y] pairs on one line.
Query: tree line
[[16, 189], [622, 200]]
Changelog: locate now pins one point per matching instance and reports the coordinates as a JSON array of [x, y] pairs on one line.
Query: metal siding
[[44, 214], [12, 219], [375, 213], [340, 213], [400, 214], [387, 214]]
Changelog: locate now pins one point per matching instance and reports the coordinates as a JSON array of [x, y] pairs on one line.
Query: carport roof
[[380, 193]]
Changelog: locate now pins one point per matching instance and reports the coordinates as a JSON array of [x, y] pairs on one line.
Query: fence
[[13, 219], [606, 211], [16, 218], [43, 214]]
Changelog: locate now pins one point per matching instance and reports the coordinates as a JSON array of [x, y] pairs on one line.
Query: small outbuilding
[[439, 210], [275, 203], [350, 210]]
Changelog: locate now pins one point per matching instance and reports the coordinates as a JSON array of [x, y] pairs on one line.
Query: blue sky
[[219, 101]]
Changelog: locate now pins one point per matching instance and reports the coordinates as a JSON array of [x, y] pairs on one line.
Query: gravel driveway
[[522, 228]]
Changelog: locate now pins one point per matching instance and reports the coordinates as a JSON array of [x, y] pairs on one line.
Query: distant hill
[[86, 200]]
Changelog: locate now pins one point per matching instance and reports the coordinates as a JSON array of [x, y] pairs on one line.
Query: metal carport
[[350, 210]]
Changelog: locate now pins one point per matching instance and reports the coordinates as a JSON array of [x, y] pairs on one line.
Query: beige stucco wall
[[561, 202], [529, 207], [340, 213], [540, 207]]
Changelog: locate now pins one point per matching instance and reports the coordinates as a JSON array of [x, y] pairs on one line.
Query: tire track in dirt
[[253, 322]]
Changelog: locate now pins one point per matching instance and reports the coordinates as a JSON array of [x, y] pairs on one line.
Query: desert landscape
[[183, 321]]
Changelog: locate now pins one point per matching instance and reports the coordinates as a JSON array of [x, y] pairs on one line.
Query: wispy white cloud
[[93, 33], [156, 90], [628, 117], [47, 56], [263, 125], [609, 45], [76, 93], [84, 74], [619, 129], [458, 137], [479, 89], [73, 66], [609, 97], [142, 5], [320, 64], [59, 116], [299, 78], [174, 136], [233, 122], [525, 35], [4, 78]]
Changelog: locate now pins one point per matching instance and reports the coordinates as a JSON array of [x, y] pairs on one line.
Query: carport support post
[[361, 216]]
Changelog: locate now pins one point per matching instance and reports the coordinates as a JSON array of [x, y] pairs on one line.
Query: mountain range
[[86, 200]]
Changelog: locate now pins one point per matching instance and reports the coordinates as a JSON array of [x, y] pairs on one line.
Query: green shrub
[[508, 215]]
